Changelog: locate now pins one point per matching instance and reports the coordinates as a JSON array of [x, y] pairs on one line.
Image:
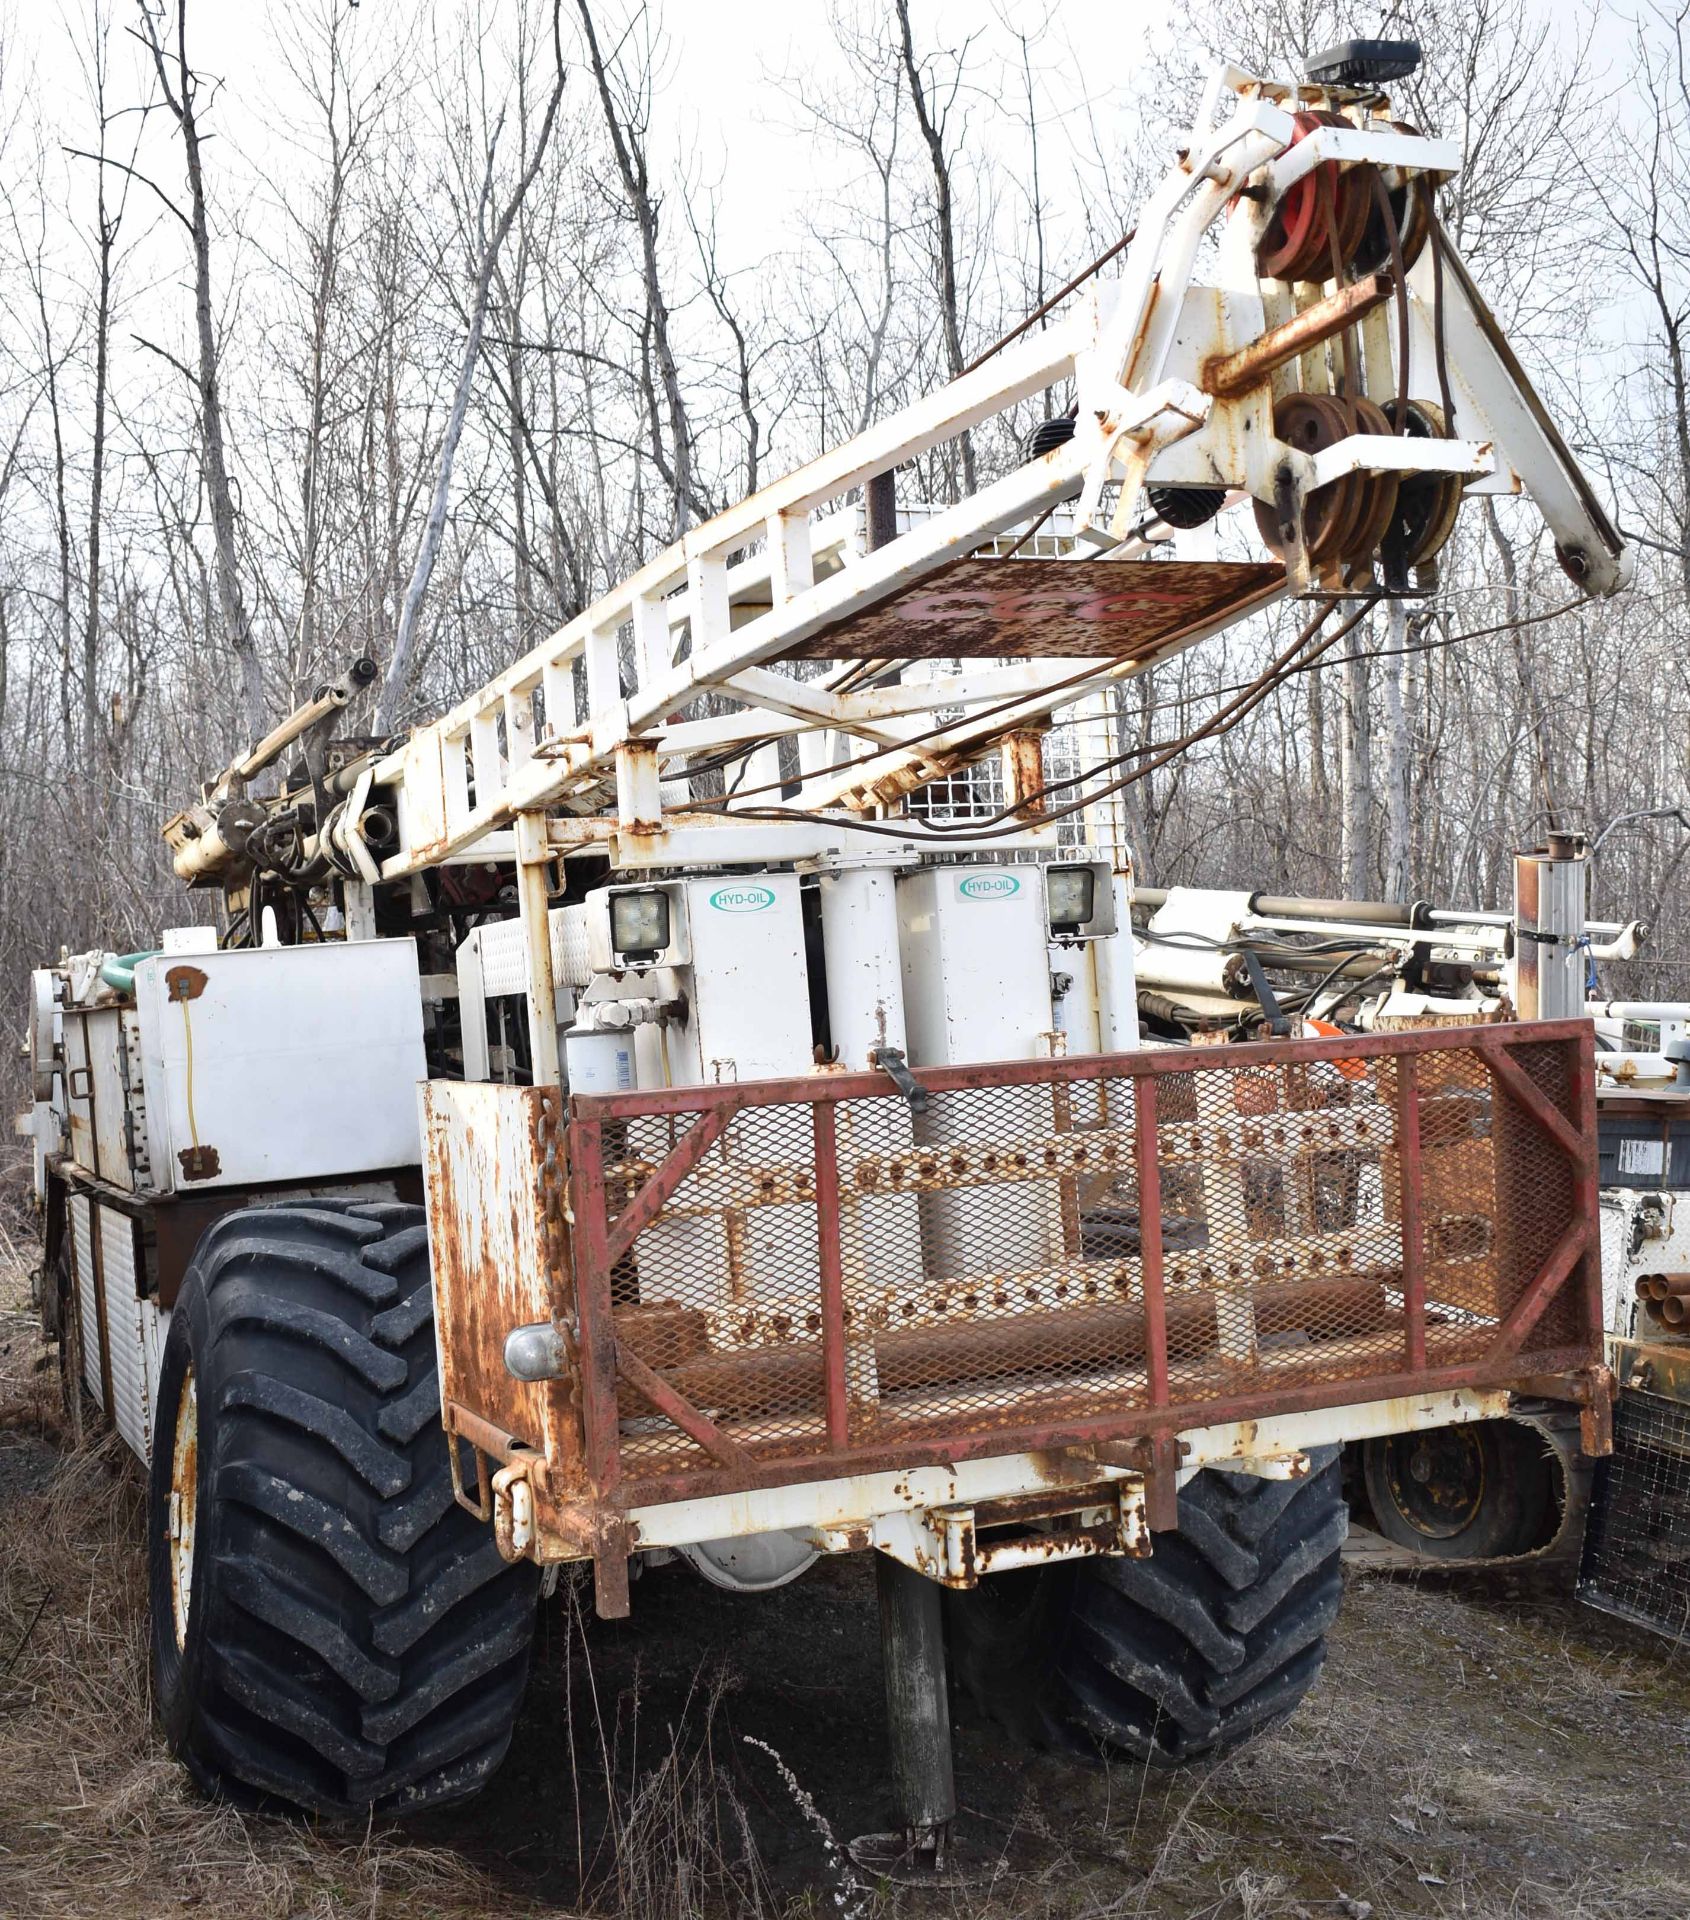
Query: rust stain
[[1287, 1193], [185, 983], [1045, 609]]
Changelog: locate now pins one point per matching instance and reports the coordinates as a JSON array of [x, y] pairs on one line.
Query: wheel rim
[[184, 1505], [1437, 1480]]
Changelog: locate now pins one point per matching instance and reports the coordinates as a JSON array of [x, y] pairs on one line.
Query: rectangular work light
[[639, 923], [1071, 896]]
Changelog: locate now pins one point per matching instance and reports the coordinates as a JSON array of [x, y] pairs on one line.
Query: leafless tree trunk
[[716, 287], [61, 521], [181, 97], [624, 124], [492, 239], [1320, 783], [1356, 773], [318, 60], [107, 225], [1397, 796], [933, 133]]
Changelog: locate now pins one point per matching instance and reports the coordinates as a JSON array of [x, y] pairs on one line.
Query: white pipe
[[1638, 1009], [1623, 946], [1397, 937]]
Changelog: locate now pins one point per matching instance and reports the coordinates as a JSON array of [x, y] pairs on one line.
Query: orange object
[[1325, 1030]]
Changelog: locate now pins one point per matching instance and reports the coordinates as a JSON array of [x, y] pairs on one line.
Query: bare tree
[[626, 108], [490, 236], [108, 225], [933, 118], [181, 97]]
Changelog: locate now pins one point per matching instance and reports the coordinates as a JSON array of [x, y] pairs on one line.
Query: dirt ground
[[1469, 1751]]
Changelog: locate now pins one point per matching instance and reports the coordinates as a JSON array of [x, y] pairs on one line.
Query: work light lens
[[639, 922], [1070, 893]]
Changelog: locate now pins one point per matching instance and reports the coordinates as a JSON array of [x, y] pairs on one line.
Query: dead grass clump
[[95, 1818], [660, 1829]]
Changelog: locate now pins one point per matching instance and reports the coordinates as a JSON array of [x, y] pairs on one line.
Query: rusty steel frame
[[1150, 1429]]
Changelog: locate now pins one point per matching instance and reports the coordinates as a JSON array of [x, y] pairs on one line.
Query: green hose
[[118, 969]]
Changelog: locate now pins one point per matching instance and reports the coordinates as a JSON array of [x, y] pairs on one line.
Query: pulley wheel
[[1346, 519], [1332, 201], [1423, 517], [1310, 422], [1354, 201], [1411, 205], [1379, 490], [1298, 228]]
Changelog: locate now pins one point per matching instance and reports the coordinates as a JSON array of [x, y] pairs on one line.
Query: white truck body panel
[[292, 1063], [746, 985], [976, 964]]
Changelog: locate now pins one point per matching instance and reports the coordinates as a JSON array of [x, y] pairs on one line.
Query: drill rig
[[629, 1118]]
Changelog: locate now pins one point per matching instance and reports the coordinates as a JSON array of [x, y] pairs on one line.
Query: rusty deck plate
[[1047, 609]]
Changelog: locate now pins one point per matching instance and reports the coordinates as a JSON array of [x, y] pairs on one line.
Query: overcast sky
[[720, 106]]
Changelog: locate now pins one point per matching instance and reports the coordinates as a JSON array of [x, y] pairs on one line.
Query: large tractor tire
[[1174, 1658], [331, 1631], [61, 1320], [1486, 1490]]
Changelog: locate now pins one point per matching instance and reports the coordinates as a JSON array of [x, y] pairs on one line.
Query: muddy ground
[[1470, 1750]]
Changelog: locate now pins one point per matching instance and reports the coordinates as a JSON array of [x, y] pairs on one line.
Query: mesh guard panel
[[1075, 1247], [1637, 1541]]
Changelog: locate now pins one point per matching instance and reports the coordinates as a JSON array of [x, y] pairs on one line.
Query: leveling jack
[[919, 1849]]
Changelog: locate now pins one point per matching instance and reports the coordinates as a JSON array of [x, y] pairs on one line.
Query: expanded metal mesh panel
[[1076, 1243], [1637, 1539]]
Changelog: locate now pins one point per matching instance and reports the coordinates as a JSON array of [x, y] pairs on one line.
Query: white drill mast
[[1178, 386]]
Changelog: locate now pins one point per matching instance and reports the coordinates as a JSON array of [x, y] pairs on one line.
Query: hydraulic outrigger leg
[[918, 1726]]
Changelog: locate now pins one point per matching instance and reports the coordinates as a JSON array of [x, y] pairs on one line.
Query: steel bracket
[[1293, 1465], [946, 1544]]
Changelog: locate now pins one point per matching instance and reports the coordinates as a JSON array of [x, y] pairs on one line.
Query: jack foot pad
[[916, 1857]]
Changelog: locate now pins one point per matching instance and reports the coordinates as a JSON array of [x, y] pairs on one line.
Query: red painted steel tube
[[592, 1292], [1125, 1424], [1587, 1194], [832, 1272], [762, 1381], [1150, 1240], [1073, 1067], [659, 1189], [1528, 1309], [1531, 1098], [676, 1407], [1413, 1235], [1053, 1418]]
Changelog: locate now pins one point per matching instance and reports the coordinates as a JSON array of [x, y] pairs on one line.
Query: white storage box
[[280, 1063]]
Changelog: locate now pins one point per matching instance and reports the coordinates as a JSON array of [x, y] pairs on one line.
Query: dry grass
[[1466, 1753], [94, 1818], [97, 1820]]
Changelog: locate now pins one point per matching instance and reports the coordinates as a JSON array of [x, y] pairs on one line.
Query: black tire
[[1176, 1658], [76, 1403], [1480, 1491], [353, 1640]]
